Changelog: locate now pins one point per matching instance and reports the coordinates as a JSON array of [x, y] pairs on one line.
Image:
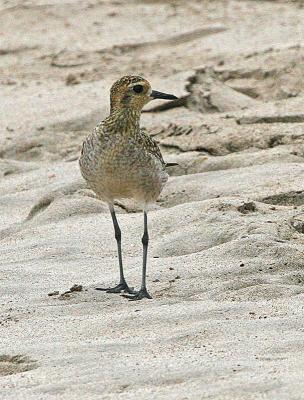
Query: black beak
[[159, 95]]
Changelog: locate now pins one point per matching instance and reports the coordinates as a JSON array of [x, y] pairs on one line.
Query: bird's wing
[[151, 145], [90, 141]]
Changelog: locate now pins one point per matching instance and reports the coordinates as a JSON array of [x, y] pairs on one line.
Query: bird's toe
[[141, 294], [121, 287]]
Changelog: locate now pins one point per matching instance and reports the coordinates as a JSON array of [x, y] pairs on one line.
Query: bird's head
[[134, 92]]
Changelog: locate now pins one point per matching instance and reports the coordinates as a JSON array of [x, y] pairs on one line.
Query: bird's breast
[[122, 168]]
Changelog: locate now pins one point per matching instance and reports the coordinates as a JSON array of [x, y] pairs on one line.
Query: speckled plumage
[[120, 160]]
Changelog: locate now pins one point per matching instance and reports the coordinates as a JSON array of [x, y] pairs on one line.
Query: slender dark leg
[[122, 286], [143, 293]]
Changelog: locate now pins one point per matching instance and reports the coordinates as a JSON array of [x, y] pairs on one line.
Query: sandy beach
[[226, 251]]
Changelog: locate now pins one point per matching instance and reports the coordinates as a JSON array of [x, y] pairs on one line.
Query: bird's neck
[[123, 120]]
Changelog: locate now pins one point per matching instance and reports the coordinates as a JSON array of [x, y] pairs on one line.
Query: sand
[[226, 236]]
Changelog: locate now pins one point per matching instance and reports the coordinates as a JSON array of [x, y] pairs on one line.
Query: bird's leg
[[122, 286], [143, 293]]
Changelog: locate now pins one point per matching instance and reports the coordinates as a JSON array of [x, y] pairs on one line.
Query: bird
[[119, 160]]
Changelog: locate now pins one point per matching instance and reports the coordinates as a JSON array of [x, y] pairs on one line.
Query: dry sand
[[227, 245]]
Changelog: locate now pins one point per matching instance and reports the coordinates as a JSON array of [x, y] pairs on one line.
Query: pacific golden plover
[[120, 160]]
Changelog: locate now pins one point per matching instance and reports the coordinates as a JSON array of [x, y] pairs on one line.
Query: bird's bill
[[159, 95]]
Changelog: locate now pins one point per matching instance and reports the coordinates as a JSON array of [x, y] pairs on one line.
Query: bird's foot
[[121, 287], [141, 294]]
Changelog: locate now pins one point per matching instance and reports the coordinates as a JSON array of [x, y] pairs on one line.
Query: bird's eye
[[138, 88]]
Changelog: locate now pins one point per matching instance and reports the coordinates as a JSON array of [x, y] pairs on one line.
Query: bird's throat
[[124, 120]]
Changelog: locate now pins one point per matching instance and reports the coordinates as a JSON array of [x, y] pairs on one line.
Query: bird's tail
[[171, 164]]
